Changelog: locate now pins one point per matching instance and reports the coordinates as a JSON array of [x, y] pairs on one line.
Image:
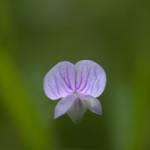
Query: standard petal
[[64, 105], [92, 104], [90, 78], [60, 80], [77, 111]]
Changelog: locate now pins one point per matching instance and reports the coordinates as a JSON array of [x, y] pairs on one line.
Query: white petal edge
[[93, 104]]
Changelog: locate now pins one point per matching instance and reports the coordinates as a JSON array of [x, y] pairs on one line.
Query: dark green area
[[36, 34]]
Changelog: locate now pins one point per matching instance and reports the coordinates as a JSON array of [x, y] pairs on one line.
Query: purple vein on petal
[[75, 78], [86, 81], [86, 86], [54, 92], [98, 87], [64, 79], [67, 76], [55, 79], [78, 87], [101, 81], [63, 86], [93, 85]]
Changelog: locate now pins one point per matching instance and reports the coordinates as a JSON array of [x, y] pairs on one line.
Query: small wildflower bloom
[[77, 86]]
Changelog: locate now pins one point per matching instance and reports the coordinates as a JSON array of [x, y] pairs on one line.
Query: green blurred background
[[36, 34]]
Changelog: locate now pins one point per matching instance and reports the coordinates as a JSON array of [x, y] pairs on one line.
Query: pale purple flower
[[77, 86]]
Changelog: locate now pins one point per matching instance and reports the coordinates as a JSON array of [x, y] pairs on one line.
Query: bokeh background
[[36, 34]]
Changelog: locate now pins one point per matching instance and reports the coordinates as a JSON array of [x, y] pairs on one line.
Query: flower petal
[[60, 80], [64, 105], [77, 111], [92, 104], [90, 78]]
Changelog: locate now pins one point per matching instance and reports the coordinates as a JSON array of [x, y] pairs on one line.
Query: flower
[[77, 85]]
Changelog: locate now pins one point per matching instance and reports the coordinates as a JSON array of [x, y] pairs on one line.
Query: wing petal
[[64, 105]]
